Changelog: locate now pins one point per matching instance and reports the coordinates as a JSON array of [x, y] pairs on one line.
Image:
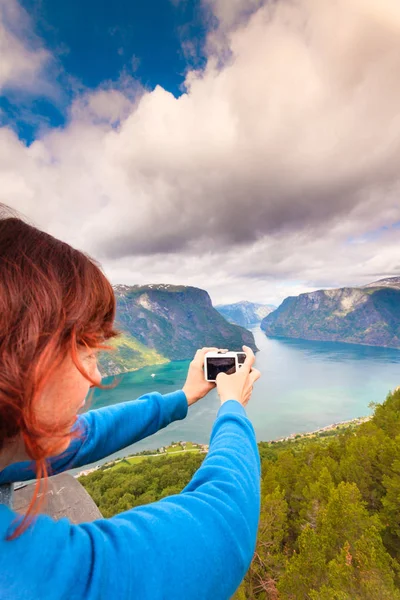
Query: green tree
[[344, 553], [367, 457], [390, 513], [269, 559], [387, 415]]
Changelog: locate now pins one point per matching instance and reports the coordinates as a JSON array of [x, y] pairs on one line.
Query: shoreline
[[204, 447], [331, 427]]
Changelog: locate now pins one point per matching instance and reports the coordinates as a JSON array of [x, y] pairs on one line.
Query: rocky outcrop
[[245, 313], [362, 315]]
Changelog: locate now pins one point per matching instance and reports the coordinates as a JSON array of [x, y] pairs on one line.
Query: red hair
[[53, 299]]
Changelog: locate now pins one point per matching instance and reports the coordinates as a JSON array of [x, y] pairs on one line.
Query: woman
[[56, 311]]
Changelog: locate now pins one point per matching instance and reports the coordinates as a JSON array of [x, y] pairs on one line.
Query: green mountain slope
[[128, 355], [165, 322]]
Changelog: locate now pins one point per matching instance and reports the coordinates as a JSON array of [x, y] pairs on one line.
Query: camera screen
[[220, 365]]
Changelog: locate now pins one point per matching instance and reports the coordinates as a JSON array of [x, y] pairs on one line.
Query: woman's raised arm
[[196, 545], [107, 430]]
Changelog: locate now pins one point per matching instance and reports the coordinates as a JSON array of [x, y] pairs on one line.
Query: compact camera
[[222, 362]]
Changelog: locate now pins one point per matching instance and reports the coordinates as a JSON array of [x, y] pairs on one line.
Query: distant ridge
[[245, 313], [392, 282]]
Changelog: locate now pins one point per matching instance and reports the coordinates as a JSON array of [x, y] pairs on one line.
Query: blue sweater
[[196, 545]]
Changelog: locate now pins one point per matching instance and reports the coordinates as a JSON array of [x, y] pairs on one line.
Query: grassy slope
[[129, 355]]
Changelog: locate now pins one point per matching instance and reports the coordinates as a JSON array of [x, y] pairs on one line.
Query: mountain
[[165, 322], [359, 315], [245, 313]]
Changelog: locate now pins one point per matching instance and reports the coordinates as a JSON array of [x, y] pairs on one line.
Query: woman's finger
[[254, 375], [250, 358], [200, 354]]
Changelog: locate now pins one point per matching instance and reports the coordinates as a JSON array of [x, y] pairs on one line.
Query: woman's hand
[[239, 385], [196, 386]]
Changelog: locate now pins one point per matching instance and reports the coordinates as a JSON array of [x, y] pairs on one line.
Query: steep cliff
[[245, 313], [165, 322], [361, 315]]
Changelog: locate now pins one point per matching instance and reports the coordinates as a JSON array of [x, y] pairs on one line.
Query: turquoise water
[[304, 386]]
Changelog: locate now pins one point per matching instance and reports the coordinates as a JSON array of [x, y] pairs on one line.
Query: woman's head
[[56, 309]]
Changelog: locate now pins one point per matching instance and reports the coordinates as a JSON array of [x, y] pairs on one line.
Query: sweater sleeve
[[197, 544], [107, 430]]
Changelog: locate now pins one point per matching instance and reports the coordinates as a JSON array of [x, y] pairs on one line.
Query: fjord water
[[304, 386]]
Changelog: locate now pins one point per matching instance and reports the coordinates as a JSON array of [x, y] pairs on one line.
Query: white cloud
[[23, 60], [231, 14], [266, 171], [271, 269], [107, 106]]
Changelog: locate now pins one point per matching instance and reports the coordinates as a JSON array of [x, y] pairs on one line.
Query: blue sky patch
[[99, 42]]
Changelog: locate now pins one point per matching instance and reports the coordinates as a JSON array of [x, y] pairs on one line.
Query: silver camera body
[[222, 362]]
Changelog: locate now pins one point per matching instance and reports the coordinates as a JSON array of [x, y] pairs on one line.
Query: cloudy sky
[[247, 147]]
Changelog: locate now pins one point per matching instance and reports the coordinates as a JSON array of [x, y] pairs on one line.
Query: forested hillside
[[117, 489], [330, 517]]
